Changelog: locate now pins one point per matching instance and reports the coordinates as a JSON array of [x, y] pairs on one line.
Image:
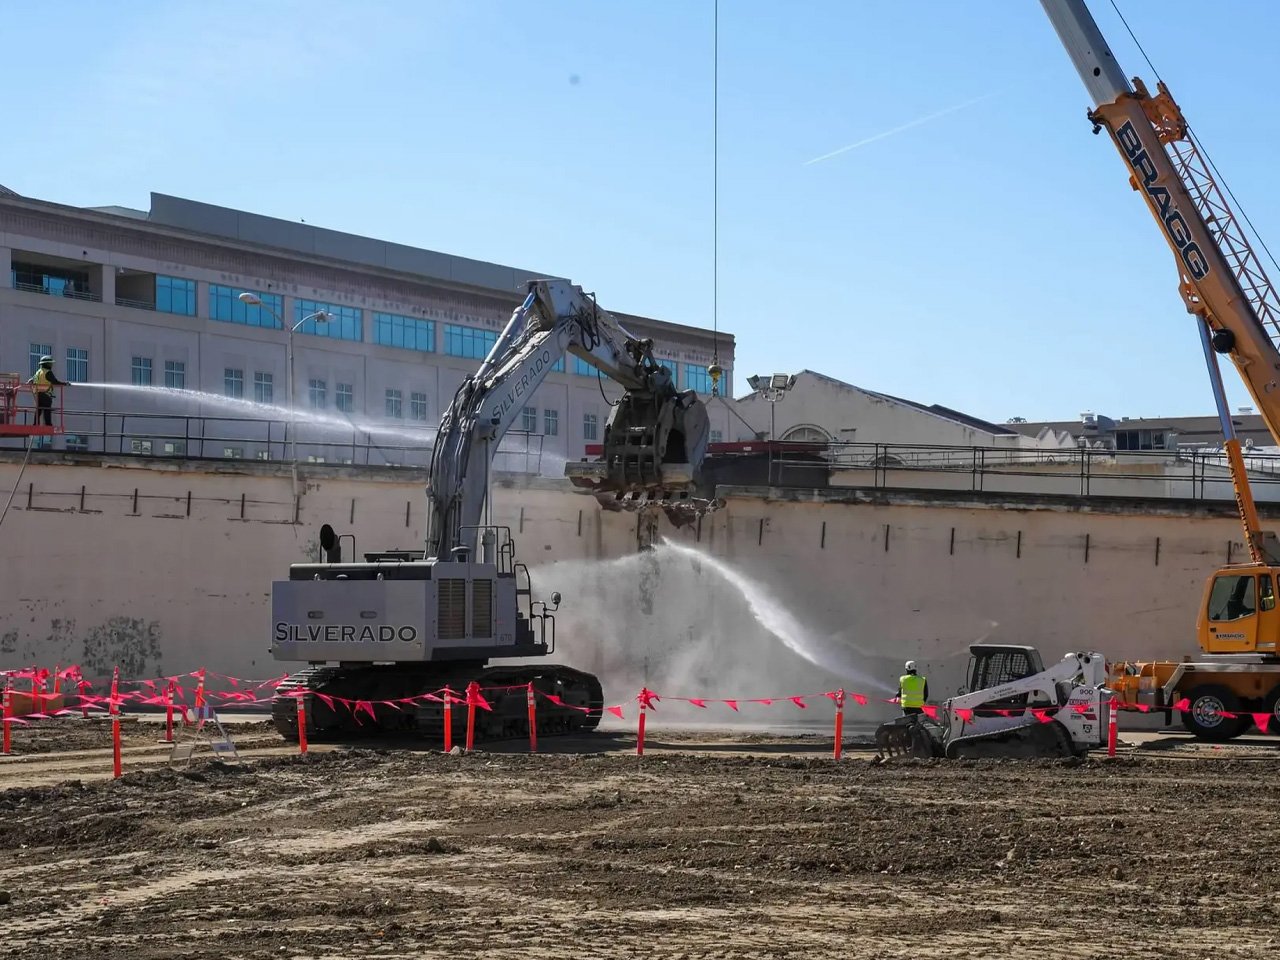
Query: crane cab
[[1238, 611]]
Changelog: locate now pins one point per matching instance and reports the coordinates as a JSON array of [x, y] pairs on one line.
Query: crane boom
[[1222, 281]]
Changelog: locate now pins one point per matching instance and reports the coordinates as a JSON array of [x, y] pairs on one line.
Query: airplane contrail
[[898, 129]]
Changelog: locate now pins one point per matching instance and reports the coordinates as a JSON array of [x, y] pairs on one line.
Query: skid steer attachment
[[911, 736]]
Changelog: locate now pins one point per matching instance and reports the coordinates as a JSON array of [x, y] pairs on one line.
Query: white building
[[818, 408], [151, 298]]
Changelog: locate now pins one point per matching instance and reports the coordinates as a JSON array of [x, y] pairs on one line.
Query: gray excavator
[[402, 625], [1012, 707]]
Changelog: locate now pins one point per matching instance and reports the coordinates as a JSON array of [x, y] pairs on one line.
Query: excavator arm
[[654, 440], [1220, 278]]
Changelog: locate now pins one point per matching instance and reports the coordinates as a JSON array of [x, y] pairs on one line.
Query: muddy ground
[[765, 850]]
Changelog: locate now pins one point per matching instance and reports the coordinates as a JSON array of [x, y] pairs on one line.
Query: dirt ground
[[708, 846]]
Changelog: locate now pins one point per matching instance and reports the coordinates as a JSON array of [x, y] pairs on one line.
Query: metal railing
[[1197, 473], [204, 437], [28, 287], [135, 304]]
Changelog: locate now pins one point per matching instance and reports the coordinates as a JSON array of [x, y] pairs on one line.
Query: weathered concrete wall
[[179, 576]]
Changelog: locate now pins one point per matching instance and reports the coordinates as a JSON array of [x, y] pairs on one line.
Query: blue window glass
[[468, 341], [175, 295], [407, 333], [582, 368], [77, 365], [558, 366], [697, 378], [140, 370], [344, 323], [225, 305]]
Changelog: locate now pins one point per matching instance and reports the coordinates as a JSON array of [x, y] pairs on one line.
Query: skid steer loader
[[1011, 707]]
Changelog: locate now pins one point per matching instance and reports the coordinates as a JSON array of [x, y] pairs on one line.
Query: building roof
[[934, 409]]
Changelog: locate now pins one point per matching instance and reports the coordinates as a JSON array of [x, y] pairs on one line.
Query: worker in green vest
[[42, 385], [913, 690]]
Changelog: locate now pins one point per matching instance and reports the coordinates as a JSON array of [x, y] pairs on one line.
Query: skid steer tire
[[1201, 718]]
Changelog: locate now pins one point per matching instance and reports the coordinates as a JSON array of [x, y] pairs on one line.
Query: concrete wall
[[179, 577]]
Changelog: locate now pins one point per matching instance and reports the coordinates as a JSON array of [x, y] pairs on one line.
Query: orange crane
[[1237, 310]]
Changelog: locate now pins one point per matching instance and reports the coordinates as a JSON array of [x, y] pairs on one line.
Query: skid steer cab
[[1011, 707]]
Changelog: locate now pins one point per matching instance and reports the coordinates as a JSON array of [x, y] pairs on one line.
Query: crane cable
[[715, 192], [1199, 146], [16, 483]]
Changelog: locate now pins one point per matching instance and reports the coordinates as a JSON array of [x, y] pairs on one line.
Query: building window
[[175, 374], [529, 419], [344, 323], [233, 383], [418, 406], [696, 378], [671, 369], [175, 295], [225, 305], [175, 448], [264, 387], [317, 390], [589, 424], [468, 342], [717, 436], [1139, 439], [77, 442], [39, 350], [233, 453], [263, 455], [344, 397], [141, 370], [558, 366], [140, 446], [312, 458], [582, 368], [395, 404], [551, 422], [77, 365], [407, 333]]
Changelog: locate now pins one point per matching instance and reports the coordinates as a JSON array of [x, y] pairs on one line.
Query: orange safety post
[[168, 711], [1112, 729], [644, 706], [302, 725], [533, 718], [839, 723], [115, 724], [473, 689], [200, 692], [448, 719], [57, 679], [37, 686], [8, 715]]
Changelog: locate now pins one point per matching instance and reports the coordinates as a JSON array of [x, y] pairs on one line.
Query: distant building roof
[[935, 409]]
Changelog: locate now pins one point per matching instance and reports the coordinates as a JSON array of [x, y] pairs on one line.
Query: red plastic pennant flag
[[965, 714], [859, 699], [732, 704], [554, 698], [799, 702], [1182, 706], [767, 701], [647, 698], [930, 711], [698, 703], [616, 711], [1262, 719], [326, 699], [1043, 715]]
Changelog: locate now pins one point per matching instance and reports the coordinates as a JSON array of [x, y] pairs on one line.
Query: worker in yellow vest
[[913, 690], [42, 384]]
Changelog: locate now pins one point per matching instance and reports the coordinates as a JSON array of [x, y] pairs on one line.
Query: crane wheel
[[1204, 718], [1272, 706]]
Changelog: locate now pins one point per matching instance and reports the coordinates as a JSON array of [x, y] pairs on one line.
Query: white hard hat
[[911, 664]]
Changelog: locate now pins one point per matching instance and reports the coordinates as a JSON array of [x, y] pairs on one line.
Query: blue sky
[[991, 259]]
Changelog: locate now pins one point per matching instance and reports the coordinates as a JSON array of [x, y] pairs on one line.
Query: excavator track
[[503, 687]]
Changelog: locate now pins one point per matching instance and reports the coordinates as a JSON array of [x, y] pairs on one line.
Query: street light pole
[[320, 316], [772, 389]]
